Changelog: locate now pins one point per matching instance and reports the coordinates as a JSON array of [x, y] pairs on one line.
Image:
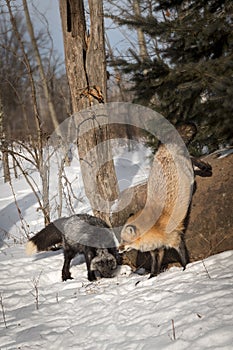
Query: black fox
[[81, 233]]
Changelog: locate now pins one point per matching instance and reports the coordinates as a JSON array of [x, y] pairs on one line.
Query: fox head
[[129, 238], [134, 234], [104, 263]]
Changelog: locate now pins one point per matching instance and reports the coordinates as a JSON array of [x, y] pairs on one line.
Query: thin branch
[[29, 182], [35, 282], [3, 311], [14, 154], [206, 269], [173, 330]]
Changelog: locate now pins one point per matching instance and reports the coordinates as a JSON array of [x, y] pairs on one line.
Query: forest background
[[175, 57]]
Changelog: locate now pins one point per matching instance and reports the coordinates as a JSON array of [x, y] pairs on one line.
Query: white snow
[[191, 309]]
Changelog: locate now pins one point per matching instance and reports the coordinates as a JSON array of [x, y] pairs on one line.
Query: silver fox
[[81, 233]]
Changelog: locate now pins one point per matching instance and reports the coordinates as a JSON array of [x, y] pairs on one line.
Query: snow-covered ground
[[191, 309]]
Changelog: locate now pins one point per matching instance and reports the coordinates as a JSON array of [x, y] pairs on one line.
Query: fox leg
[[156, 261], [69, 254], [89, 255], [183, 253]]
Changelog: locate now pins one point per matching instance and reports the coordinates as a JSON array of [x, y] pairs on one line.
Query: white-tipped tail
[[31, 248]]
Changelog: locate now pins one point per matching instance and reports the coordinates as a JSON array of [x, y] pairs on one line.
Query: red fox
[[160, 224]]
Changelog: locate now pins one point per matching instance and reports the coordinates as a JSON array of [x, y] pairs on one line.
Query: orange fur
[[160, 224], [154, 238]]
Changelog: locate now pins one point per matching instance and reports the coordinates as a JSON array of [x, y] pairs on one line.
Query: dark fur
[[47, 238], [188, 130], [101, 260], [201, 168]]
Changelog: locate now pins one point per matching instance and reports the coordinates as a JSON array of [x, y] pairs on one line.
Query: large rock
[[210, 227]]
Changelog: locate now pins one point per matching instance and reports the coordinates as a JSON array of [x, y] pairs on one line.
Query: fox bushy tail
[[44, 239]]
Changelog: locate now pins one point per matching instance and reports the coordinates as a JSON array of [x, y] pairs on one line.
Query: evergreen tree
[[192, 75]]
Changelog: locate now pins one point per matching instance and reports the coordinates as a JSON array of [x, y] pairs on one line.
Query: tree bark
[[86, 71]]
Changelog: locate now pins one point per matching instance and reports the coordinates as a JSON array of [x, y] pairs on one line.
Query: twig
[[70, 193], [173, 330], [3, 311], [36, 284], [60, 187], [206, 269], [30, 183], [57, 300]]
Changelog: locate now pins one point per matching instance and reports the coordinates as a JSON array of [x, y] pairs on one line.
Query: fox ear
[[131, 230]]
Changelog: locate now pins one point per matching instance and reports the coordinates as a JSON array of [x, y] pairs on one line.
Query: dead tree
[[86, 71]]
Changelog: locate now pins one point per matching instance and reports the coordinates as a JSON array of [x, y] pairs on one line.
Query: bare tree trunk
[[117, 72], [4, 146], [141, 38], [40, 66], [96, 57], [38, 148], [74, 35], [29, 71], [86, 71], [122, 90]]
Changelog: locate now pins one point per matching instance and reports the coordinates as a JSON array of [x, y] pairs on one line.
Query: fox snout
[[121, 248], [124, 247], [128, 236]]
